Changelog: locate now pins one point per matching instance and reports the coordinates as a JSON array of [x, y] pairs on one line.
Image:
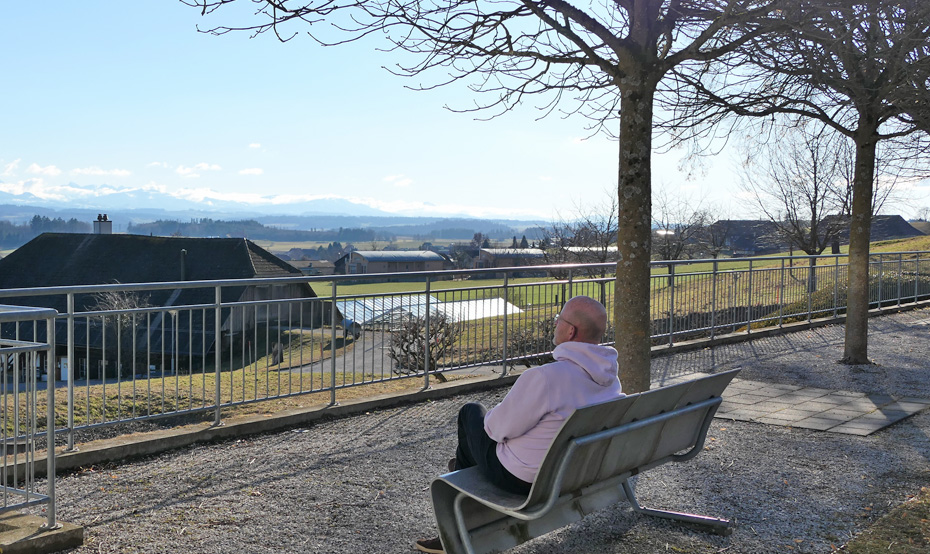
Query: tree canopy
[[859, 67], [605, 61]]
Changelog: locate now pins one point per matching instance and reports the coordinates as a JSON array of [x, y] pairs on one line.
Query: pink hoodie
[[529, 417]]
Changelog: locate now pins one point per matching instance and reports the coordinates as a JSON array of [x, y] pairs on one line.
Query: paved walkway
[[836, 411], [360, 483], [852, 413]]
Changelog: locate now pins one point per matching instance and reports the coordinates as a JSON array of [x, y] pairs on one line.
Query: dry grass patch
[[906, 530]]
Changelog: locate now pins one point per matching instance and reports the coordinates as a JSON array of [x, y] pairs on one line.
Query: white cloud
[[16, 188], [255, 145], [49, 170], [157, 164], [192, 171], [399, 180], [251, 171], [9, 168], [94, 170]]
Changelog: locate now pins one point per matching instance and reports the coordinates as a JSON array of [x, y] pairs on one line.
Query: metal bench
[[585, 469]]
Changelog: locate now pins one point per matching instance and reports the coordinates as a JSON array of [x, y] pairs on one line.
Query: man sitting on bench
[[508, 442]]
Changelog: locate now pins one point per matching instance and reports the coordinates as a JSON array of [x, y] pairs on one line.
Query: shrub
[[532, 343], [408, 343]]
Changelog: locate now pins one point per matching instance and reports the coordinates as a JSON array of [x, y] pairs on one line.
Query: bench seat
[[586, 468]]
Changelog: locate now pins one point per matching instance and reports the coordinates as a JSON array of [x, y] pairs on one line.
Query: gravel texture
[[360, 484]]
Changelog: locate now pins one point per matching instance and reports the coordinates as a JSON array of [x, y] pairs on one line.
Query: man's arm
[[522, 408]]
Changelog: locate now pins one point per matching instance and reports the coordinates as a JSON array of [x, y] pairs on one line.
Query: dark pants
[[476, 448]]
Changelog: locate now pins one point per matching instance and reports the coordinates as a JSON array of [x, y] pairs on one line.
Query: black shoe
[[452, 465], [432, 546]]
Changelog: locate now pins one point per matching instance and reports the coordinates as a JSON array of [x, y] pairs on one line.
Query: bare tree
[[584, 236], [923, 214], [118, 301], [587, 235], [861, 67], [884, 182], [793, 182], [605, 61], [717, 233], [679, 224]]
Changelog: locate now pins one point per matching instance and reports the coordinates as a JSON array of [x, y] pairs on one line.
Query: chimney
[[183, 264], [103, 225]]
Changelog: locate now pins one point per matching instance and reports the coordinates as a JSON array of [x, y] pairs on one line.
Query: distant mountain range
[[137, 206], [109, 199]]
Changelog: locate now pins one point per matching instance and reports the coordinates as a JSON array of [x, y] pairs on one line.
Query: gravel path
[[359, 484]]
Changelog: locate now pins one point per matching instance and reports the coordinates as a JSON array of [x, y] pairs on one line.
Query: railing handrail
[[309, 279]]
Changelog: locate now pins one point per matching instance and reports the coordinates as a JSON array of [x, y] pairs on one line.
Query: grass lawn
[[905, 530], [261, 380]]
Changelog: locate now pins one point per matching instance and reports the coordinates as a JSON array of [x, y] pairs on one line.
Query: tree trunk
[[812, 276], [634, 192], [856, 350]]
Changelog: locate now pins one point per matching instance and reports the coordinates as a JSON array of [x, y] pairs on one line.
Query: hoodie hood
[[599, 362]]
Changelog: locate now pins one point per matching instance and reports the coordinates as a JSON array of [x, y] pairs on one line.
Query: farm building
[[393, 261], [760, 237]]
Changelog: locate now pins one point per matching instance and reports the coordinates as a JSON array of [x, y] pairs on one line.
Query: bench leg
[[717, 525]]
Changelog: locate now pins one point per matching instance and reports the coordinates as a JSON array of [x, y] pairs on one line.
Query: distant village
[[366, 251]]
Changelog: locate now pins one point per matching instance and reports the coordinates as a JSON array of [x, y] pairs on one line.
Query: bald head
[[588, 316]]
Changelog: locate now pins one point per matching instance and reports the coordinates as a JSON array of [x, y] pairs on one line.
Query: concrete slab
[[815, 424], [845, 412], [849, 430], [22, 533], [797, 414]]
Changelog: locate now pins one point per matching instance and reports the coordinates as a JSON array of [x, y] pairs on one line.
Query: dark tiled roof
[[63, 259]]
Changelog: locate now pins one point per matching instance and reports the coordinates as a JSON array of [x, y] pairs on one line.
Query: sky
[[129, 95]]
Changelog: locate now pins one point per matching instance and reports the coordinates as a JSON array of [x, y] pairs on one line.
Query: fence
[[142, 351], [21, 359]]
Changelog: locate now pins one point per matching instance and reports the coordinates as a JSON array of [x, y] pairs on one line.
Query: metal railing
[[143, 351], [22, 357]]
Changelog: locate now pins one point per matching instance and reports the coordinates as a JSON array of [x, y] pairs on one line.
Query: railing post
[[900, 271], [571, 288], [504, 345], [836, 286], [50, 424], [671, 302], [218, 350], [881, 280], [71, 369], [713, 301], [749, 301], [810, 293], [332, 348], [781, 295], [427, 350], [917, 278]]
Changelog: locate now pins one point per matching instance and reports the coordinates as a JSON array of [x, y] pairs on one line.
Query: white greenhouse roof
[[385, 308]]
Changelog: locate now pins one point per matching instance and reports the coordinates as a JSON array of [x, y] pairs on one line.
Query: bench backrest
[[629, 434]]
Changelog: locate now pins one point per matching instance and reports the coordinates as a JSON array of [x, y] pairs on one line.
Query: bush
[[531, 344], [408, 343]]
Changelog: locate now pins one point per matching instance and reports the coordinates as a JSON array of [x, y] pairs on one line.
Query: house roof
[[66, 259], [62, 259], [399, 255], [885, 227]]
